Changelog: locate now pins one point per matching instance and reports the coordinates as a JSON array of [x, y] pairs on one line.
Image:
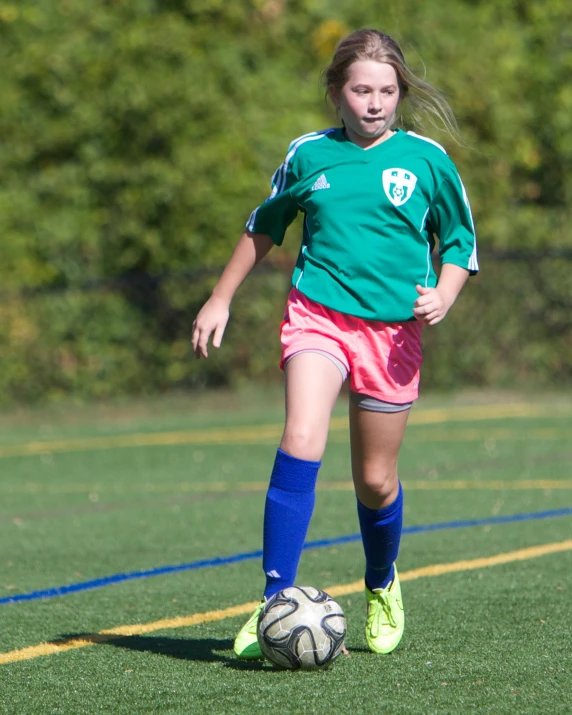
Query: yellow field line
[[129, 630], [262, 433], [460, 484], [531, 552], [232, 435], [137, 629], [501, 434], [222, 487]]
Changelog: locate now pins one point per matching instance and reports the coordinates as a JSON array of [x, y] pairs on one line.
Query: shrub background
[[137, 137]]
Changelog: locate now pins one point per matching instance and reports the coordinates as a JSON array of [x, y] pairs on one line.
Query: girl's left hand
[[430, 307]]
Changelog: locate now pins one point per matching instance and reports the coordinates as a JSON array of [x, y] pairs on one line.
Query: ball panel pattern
[[301, 628]]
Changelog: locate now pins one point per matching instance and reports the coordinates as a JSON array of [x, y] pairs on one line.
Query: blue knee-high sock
[[381, 534], [287, 514]]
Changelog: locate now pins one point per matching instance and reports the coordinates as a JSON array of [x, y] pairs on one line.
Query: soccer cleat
[[385, 617], [246, 642]]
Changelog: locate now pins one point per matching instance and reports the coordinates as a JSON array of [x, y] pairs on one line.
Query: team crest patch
[[398, 185]]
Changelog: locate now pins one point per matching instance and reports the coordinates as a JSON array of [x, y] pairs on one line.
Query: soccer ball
[[301, 628]]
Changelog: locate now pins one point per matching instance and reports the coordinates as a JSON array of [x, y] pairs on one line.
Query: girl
[[374, 199]]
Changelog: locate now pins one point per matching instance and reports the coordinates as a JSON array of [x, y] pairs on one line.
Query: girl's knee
[[303, 443], [377, 490]]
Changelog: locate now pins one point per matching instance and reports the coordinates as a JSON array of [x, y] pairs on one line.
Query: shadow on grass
[[205, 650]]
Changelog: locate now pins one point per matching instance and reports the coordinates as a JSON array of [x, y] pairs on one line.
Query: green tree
[[138, 135]]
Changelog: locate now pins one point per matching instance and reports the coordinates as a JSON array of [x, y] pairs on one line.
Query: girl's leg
[[375, 442], [376, 439], [313, 383]]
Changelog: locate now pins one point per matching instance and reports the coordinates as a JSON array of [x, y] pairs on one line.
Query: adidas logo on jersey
[[321, 183]]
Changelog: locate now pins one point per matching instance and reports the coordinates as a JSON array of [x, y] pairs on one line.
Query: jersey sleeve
[[279, 210], [451, 220]]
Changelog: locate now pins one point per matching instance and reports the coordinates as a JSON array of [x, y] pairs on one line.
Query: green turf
[[491, 640]]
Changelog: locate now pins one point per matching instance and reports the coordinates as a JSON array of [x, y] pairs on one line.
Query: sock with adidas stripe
[[289, 506], [381, 535]]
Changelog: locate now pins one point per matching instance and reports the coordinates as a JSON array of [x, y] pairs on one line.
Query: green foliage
[[511, 327], [138, 136]]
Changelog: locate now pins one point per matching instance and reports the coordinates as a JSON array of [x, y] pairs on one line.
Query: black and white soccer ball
[[301, 628]]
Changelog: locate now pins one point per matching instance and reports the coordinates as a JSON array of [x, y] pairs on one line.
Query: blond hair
[[423, 99]]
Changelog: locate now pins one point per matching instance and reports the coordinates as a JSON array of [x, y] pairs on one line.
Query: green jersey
[[371, 218]]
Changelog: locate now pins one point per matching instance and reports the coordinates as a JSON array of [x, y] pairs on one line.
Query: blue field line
[[251, 555]]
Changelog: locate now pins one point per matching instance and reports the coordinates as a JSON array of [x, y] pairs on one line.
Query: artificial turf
[[494, 639]]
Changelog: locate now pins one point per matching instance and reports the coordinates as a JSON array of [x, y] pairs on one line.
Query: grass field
[[95, 501]]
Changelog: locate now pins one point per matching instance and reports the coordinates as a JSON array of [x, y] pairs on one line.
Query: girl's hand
[[213, 316], [430, 307], [433, 303]]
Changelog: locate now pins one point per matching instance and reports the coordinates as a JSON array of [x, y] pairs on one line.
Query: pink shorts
[[383, 359]]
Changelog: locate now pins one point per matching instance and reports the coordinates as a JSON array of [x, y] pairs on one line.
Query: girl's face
[[368, 101]]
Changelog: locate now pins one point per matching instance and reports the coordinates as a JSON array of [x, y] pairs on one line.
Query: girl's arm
[[434, 303], [213, 316]]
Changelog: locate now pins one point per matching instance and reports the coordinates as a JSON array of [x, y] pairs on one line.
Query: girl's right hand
[[212, 317]]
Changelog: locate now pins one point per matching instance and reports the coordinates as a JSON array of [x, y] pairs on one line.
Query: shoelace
[[253, 625], [383, 609]]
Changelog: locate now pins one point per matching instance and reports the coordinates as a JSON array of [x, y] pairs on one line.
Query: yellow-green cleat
[[246, 643], [385, 617]]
